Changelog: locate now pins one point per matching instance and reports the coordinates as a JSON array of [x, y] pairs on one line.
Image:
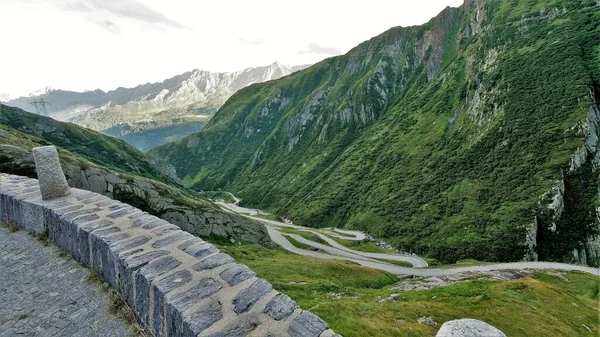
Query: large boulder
[[468, 327], [53, 183]]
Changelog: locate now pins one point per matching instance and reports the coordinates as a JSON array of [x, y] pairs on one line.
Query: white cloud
[[88, 44], [315, 48], [121, 9]]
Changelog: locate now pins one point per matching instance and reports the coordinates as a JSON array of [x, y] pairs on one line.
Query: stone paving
[[45, 293]]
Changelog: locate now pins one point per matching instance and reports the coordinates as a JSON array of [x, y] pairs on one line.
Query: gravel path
[[44, 293]]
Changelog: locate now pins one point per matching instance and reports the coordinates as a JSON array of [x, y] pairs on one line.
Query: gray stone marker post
[[53, 183]]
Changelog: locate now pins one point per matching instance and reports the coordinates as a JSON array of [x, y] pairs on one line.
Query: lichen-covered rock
[[468, 327], [50, 175], [427, 320]]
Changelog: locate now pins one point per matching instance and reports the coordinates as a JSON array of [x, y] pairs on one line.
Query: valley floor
[[326, 244], [350, 283]]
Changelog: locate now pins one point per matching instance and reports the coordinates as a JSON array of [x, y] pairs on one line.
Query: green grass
[[21, 317], [43, 238], [272, 217], [461, 263], [363, 246], [543, 305], [307, 235], [10, 226], [214, 195], [327, 230], [397, 263], [300, 244]]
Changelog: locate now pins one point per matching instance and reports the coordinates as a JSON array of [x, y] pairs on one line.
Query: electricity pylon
[[40, 106]]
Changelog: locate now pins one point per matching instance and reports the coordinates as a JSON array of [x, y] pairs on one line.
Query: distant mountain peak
[[156, 105]]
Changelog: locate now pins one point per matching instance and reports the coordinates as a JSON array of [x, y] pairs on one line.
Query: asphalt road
[[336, 251]]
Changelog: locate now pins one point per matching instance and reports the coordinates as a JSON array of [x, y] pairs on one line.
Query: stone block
[[53, 183], [110, 271], [130, 244], [192, 241], [143, 282], [72, 215], [161, 289], [156, 223], [141, 220], [32, 217], [207, 315], [307, 324], [240, 326], [98, 248], [165, 230], [280, 307], [201, 250], [247, 297], [105, 203], [329, 333], [128, 266], [61, 232], [176, 237], [213, 262], [83, 241], [237, 274], [183, 301], [121, 212]]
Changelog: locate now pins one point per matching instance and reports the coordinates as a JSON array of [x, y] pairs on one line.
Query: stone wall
[[178, 284]]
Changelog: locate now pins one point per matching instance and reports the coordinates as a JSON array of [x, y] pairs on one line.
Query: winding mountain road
[[336, 251]]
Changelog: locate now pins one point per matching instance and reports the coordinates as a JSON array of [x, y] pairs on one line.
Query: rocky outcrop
[[198, 218], [468, 327], [161, 200], [587, 253]]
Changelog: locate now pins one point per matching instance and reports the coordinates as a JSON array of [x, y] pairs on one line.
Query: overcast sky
[[88, 44]]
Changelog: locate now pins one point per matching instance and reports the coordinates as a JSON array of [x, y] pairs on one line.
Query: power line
[[40, 106]]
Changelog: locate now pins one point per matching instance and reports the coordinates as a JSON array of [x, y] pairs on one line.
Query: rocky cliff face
[[448, 138], [569, 226], [189, 97]]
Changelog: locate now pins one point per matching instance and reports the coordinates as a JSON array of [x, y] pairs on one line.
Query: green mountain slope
[[111, 167], [472, 136], [171, 126], [98, 148]]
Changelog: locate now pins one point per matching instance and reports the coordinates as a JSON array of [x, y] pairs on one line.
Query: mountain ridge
[[450, 139], [154, 112]]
